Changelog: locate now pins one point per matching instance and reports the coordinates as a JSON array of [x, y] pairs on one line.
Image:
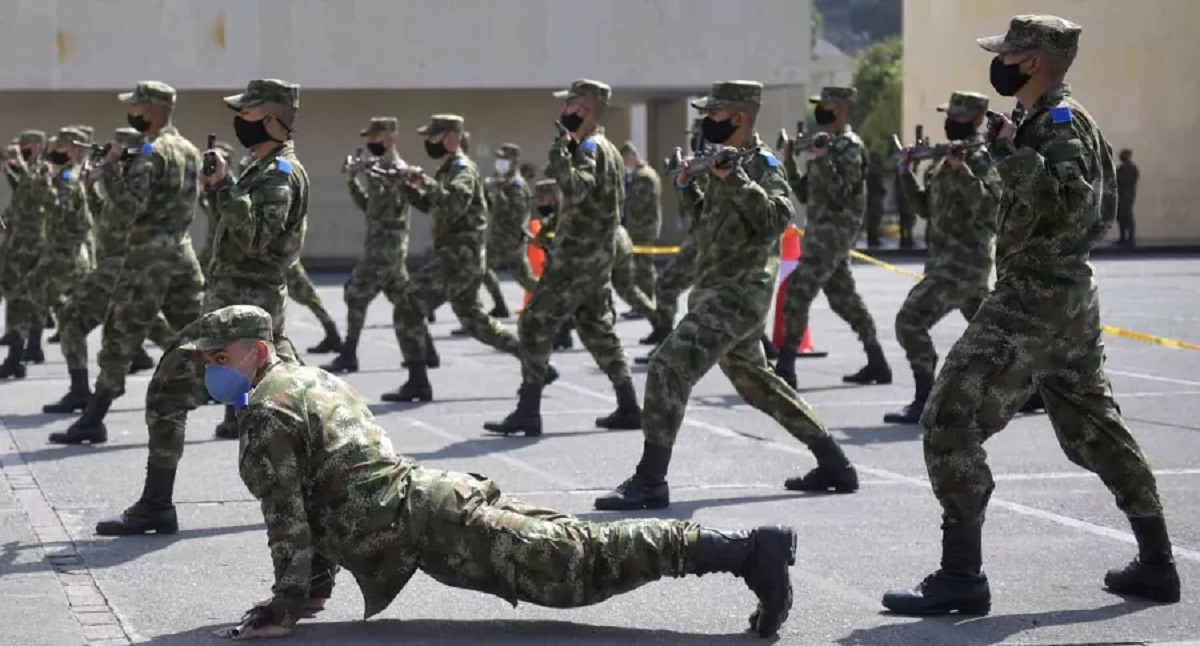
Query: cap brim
[[125, 97], [204, 345], [426, 130], [814, 99], [561, 94], [994, 44], [706, 103], [239, 101], [364, 132], [945, 107]]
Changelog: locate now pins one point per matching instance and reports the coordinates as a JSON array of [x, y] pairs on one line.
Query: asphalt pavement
[[1052, 531]]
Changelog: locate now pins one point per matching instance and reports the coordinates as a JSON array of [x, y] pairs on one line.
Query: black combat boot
[[1152, 574], [960, 585], [526, 419], [785, 365], [659, 329], [632, 315], [460, 332], [154, 512], [876, 371], [347, 359], [760, 557], [76, 398], [13, 368], [563, 340], [228, 428], [141, 361], [1034, 403], [431, 317], [500, 311], [644, 361], [331, 343], [911, 414], [49, 324], [769, 348], [33, 346], [833, 470], [647, 488], [432, 359], [90, 425], [551, 377], [417, 388], [628, 416], [9, 338]]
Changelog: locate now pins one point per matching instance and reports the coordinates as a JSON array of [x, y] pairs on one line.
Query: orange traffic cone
[[789, 255], [536, 255]]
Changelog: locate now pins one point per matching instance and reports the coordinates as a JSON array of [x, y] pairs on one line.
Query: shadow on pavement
[[881, 434], [684, 509], [54, 452]]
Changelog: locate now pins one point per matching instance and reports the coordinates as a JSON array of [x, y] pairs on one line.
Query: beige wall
[[1135, 73]]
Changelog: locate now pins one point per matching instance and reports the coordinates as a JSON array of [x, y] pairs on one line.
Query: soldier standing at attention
[[1042, 319], [642, 216], [577, 282], [24, 243], [336, 494], [510, 201], [961, 194], [1127, 179], [834, 187], [743, 213], [454, 197], [260, 232], [384, 264]]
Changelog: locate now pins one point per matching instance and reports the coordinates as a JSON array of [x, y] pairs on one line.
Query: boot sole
[[63, 411], [529, 433], [973, 609], [406, 400], [162, 531], [788, 534], [70, 442], [1146, 595], [622, 505]]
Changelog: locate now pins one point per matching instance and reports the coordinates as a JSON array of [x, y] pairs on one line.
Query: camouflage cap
[[219, 328], [225, 147], [586, 88], [545, 187], [1033, 32], [266, 91], [965, 103], [380, 124], [127, 137], [628, 148], [85, 129], [155, 92], [31, 137], [72, 136], [731, 94], [440, 123], [834, 93], [508, 151]]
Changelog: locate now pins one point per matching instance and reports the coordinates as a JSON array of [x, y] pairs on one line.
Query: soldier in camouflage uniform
[[454, 197], [384, 265], [1042, 319], [576, 281], [24, 244], [962, 191], [743, 213], [260, 232], [157, 189], [510, 202], [547, 199], [834, 187], [335, 494], [642, 218]]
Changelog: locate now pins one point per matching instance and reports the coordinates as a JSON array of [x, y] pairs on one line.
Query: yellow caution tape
[[651, 250]]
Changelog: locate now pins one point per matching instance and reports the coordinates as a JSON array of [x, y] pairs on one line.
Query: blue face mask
[[227, 385]]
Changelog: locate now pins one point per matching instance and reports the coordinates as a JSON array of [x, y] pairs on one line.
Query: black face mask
[[58, 158], [571, 121], [435, 150], [250, 133], [377, 149], [717, 132], [26, 154], [1007, 80], [696, 144], [545, 210], [824, 117], [138, 122], [957, 130]]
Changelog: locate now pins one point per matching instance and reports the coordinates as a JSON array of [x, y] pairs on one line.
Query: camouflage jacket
[[262, 219], [68, 222], [112, 220], [834, 188], [211, 216], [592, 182], [386, 209], [25, 239], [1059, 197], [510, 201], [158, 190], [456, 201], [643, 205], [331, 485], [737, 234], [960, 204]]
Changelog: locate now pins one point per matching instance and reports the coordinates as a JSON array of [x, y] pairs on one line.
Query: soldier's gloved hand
[[722, 164], [905, 162], [114, 152], [820, 144], [954, 156], [220, 168], [999, 126]]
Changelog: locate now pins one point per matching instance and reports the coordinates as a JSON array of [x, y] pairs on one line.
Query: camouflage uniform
[[625, 275], [335, 494], [742, 217], [642, 217], [834, 187], [510, 203], [455, 198], [1042, 319], [24, 243], [960, 203], [576, 279]]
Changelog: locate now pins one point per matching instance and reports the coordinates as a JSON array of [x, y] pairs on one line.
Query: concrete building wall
[[1134, 73]]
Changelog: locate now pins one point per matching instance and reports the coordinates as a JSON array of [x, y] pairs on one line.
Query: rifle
[[723, 159], [802, 141], [352, 160], [922, 150], [210, 156], [394, 172]]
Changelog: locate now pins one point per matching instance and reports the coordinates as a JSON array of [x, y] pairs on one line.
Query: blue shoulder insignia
[[399, 165], [589, 146], [772, 160], [67, 174], [1060, 114], [283, 166], [517, 181], [460, 162], [147, 148]]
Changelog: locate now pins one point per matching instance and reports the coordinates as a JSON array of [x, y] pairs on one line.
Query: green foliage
[[879, 78], [854, 24]]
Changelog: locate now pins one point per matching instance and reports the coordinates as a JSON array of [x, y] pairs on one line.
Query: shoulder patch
[[283, 166], [67, 174], [518, 181], [460, 162], [588, 145], [771, 160], [147, 148], [1060, 114], [399, 165]]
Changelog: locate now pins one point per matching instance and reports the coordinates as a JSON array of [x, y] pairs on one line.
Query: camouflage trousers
[[454, 274], [153, 279], [562, 294], [625, 277], [55, 279], [986, 379], [301, 289], [721, 329], [928, 302], [513, 258], [829, 273], [477, 539], [88, 304], [177, 386], [645, 273], [370, 276], [675, 279]]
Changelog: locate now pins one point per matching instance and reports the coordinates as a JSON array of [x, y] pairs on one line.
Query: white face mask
[[502, 166]]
